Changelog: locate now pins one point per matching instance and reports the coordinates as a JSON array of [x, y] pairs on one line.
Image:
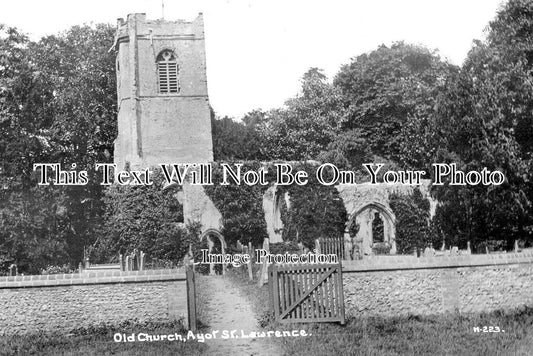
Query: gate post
[[249, 264], [141, 261], [341, 294], [275, 291], [270, 288], [191, 299], [128, 263]]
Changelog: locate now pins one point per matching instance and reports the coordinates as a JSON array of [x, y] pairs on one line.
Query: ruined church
[[164, 117]]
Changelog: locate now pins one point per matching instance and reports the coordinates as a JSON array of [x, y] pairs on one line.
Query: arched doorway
[[216, 244], [377, 225]]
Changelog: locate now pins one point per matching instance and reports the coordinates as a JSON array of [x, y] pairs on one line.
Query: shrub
[[57, 269], [282, 247], [381, 248]]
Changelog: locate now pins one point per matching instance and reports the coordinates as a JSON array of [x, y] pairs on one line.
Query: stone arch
[[207, 235], [166, 54], [364, 216]]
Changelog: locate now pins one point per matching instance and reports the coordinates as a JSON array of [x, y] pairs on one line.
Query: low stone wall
[[394, 285], [63, 302]]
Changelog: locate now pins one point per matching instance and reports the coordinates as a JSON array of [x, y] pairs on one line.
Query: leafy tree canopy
[[389, 95]]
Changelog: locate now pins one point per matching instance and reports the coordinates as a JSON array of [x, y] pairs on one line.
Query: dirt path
[[229, 310]]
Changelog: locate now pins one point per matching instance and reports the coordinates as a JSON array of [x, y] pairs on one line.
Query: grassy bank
[[434, 335], [450, 334], [99, 341]]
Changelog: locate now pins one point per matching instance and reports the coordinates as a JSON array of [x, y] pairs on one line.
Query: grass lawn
[[451, 334], [99, 341], [434, 335]]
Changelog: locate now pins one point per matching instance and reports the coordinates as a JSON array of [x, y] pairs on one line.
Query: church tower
[[163, 107]]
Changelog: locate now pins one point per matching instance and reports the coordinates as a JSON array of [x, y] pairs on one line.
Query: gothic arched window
[[167, 72]]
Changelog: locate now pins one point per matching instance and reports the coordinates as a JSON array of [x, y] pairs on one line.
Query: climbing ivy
[[240, 205], [315, 211], [145, 218], [412, 221]]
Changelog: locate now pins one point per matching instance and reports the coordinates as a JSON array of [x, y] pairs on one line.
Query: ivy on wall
[[315, 211], [241, 206], [146, 218], [412, 221]]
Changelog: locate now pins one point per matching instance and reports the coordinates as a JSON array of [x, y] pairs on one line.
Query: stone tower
[[163, 107]]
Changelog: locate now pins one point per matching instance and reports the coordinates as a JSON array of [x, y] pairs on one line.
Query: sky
[[258, 50]]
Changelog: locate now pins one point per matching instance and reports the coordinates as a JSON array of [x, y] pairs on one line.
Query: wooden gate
[[307, 293]]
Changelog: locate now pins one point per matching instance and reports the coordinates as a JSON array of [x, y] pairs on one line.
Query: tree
[[79, 72], [20, 142], [57, 105], [484, 120], [506, 59], [307, 124], [389, 95], [30, 225], [235, 141], [349, 150]]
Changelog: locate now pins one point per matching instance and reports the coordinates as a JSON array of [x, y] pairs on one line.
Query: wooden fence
[[331, 245], [307, 293]]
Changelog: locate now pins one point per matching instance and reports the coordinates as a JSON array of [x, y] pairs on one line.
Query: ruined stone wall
[[363, 202], [272, 210], [356, 197], [395, 285], [197, 206], [63, 302]]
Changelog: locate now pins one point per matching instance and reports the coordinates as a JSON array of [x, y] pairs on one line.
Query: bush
[[57, 269], [381, 248], [282, 247]]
